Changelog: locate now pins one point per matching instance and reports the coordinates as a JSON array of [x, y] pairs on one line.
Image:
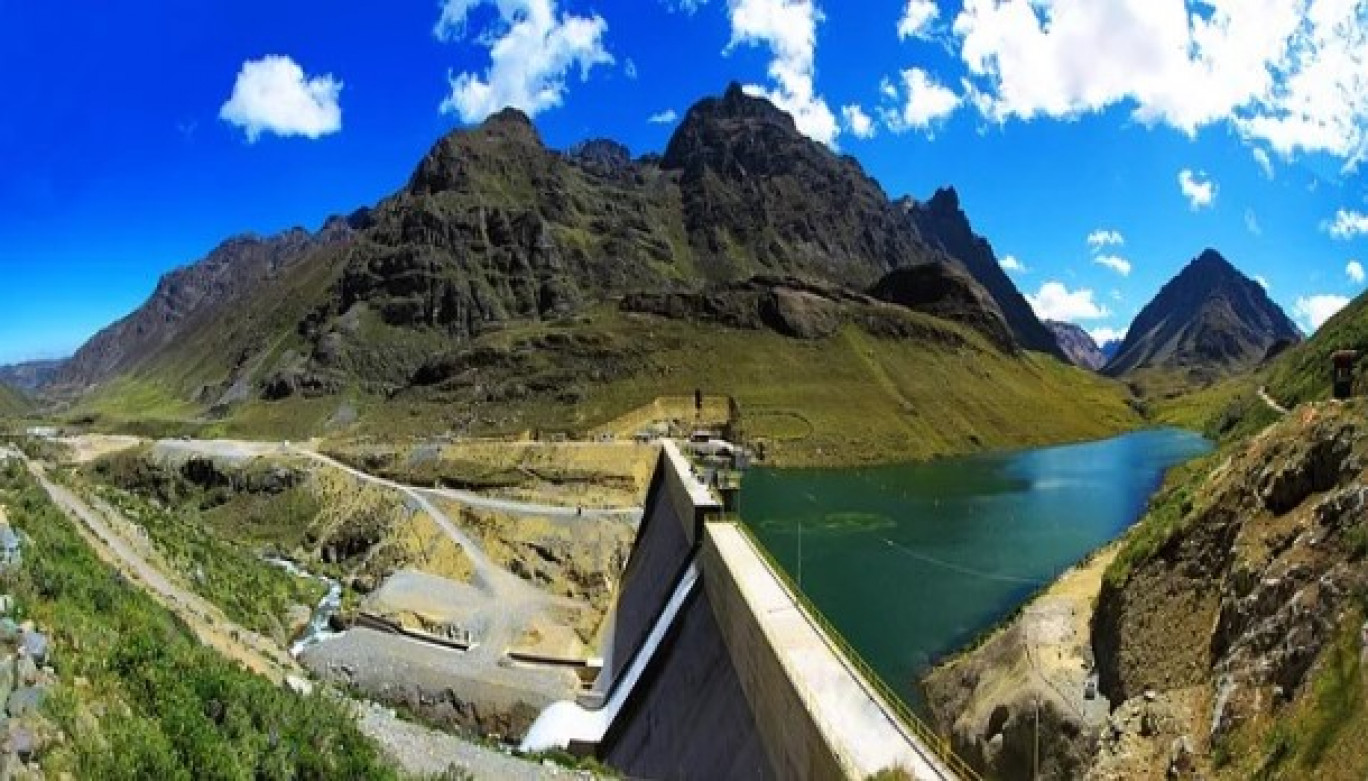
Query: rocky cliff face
[[942, 224], [1077, 345], [1249, 573], [1209, 319], [759, 197]]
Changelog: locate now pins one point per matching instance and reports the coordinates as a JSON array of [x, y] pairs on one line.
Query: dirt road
[[209, 623]]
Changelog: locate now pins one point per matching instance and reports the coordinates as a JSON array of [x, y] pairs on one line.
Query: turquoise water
[[912, 561]]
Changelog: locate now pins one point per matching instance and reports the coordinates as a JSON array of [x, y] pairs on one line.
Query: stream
[[317, 630]]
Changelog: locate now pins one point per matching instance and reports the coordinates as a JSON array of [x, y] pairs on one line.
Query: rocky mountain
[[942, 224], [1208, 320], [1233, 617], [31, 376], [202, 295], [742, 219], [1077, 345]]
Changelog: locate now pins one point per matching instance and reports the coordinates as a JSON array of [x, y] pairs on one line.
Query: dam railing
[[892, 702]]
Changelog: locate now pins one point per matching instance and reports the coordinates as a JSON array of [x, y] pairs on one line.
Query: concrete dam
[[715, 669]]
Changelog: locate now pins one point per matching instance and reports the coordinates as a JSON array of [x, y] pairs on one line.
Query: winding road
[[1266, 399]]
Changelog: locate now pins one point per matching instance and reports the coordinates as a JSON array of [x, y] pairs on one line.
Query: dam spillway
[[714, 669]]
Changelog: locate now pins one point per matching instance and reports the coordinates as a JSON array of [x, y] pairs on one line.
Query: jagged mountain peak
[[456, 162], [495, 229], [1208, 319], [946, 201]]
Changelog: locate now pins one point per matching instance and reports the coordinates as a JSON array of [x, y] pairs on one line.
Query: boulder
[[26, 699], [35, 645]]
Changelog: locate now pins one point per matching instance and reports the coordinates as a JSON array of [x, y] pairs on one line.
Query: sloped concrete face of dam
[[714, 671], [689, 717]]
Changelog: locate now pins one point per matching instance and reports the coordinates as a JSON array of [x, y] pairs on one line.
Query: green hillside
[[853, 397], [1303, 373], [12, 402]]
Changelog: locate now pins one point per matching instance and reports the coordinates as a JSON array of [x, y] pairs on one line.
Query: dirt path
[[206, 620], [1273, 405]]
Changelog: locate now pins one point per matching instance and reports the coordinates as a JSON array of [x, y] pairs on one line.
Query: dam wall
[[666, 541], [719, 671]]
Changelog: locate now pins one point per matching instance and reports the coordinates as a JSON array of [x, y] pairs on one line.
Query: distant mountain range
[[495, 229], [1207, 321], [1077, 344], [30, 376]]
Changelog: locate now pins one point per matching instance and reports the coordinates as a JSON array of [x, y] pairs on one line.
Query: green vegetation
[[1169, 513], [181, 520], [13, 403], [1321, 735], [139, 697], [1304, 372], [849, 399]]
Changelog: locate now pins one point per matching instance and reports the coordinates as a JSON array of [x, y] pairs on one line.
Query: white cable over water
[[963, 570]]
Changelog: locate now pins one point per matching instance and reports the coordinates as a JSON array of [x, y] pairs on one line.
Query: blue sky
[[135, 138]]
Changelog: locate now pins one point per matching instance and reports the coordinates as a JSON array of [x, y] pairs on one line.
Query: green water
[[912, 561]]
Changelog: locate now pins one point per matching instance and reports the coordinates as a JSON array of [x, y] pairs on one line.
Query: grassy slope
[[852, 398], [139, 697], [12, 402], [1321, 734], [1303, 373], [849, 399]]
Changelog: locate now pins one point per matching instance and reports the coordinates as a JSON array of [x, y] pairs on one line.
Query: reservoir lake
[[912, 561]]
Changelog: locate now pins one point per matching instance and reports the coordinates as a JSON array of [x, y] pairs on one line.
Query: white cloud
[[926, 102], [1114, 262], [1011, 263], [1354, 270], [666, 117], [1262, 280], [1103, 237], [1289, 73], [531, 51], [1313, 311], [1264, 162], [1347, 224], [1106, 334], [857, 121], [789, 29], [916, 19], [272, 95], [1054, 301], [1197, 187], [689, 7], [1251, 221]]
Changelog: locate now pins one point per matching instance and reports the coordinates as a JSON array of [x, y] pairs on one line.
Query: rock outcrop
[[943, 225], [1262, 562]]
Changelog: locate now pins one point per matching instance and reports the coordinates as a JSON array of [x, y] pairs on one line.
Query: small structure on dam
[[715, 669]]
